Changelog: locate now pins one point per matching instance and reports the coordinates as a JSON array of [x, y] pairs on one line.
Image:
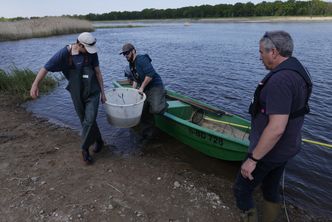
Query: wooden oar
[[317, 143], [227, 123], [198, 105]]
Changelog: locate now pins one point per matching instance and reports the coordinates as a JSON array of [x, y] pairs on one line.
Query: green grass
[[18, 82]]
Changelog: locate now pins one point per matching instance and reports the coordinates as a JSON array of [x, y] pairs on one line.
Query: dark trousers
[[87, 110], [85, 94], [155, 103], [268, 175]]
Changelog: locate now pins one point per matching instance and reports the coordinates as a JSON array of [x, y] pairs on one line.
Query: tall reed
[[42, 27], [17, 83]]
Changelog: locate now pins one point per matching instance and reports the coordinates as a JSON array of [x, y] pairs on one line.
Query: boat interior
[[200, 117]]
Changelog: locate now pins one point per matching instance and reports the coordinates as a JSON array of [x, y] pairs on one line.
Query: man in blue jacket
[[277, 115], [147, 80]]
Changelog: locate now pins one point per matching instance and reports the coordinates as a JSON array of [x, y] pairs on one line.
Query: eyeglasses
[[126, 53], [266, 35]]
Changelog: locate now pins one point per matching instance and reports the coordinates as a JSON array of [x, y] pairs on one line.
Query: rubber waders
[[270, 211], [249, 215]]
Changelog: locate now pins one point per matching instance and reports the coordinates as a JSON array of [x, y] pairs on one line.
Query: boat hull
[[221, 141], [202, 141]]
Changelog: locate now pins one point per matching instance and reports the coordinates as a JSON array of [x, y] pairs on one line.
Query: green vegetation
[[277, 8], [18, 83], [48, 26]]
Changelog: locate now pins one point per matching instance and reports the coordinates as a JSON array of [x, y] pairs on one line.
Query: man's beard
[[130, 58]]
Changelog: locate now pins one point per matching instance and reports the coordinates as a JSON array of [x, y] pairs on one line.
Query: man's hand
[[34, 91], [103, 98], [140, 90], [134, 85], [247, 168]]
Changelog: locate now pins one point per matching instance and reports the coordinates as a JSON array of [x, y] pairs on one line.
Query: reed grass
[[18, 82], [42, 27]]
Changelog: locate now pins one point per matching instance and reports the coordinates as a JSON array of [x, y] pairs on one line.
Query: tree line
[[277, 8]]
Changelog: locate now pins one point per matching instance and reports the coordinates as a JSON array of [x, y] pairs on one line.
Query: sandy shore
[[232, 20], [269, 19], [44, 179]]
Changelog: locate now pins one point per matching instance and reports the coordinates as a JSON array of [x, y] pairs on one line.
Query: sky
[[30, 8]]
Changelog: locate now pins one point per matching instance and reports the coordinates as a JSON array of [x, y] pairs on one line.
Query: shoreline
[[272, 19], [45, 179], [263, 19], [37, 28]]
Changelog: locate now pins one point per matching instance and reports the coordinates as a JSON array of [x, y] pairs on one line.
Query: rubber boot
[[270, 211], [98, 146], [249, 215], [87, 159]]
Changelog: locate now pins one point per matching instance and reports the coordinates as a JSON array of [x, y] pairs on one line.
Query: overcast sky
[[28, 8]]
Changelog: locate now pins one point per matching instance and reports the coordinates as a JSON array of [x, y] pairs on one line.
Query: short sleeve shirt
[[284, 93], [59, 62]]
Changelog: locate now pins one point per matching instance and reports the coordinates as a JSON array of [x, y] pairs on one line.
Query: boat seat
[[179, 109], [177, 104]]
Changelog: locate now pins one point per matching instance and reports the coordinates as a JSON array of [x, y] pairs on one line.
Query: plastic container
[[124, 107]]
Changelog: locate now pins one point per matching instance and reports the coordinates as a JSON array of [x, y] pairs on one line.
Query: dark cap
[[127, 47]]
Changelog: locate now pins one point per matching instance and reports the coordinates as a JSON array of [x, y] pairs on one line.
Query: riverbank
[[51, 26], [43, 178], [266, 19], [261, 19]]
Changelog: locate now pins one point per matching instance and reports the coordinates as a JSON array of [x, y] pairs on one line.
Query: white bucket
[[124, 107]]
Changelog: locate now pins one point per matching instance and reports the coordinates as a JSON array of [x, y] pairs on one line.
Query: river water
[[216, 63]]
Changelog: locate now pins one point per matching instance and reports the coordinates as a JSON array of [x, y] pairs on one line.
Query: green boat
[[205, 128]]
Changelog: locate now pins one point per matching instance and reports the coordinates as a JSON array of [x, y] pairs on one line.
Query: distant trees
[[276, 8]]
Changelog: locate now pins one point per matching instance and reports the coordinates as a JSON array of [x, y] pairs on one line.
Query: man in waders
[[147, 80], [277, 114], [80, 65]]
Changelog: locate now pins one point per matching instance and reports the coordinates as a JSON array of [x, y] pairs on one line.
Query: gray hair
[[280, 40]]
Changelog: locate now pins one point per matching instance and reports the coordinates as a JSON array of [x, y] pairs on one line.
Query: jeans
[[267, 174]]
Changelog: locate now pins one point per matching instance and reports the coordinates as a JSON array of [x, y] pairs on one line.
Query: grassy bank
[[18, 82], [42, 27]]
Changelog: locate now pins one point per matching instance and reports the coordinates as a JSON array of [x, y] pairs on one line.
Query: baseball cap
[[127, 47], [89, 42]]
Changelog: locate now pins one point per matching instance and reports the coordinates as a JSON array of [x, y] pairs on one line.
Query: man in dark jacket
[[278, 108], [147, 80]]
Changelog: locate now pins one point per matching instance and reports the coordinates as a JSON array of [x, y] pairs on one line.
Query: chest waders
[[85, 93]]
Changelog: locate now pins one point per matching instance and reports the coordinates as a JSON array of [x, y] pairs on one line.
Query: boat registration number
[[205, 136]]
